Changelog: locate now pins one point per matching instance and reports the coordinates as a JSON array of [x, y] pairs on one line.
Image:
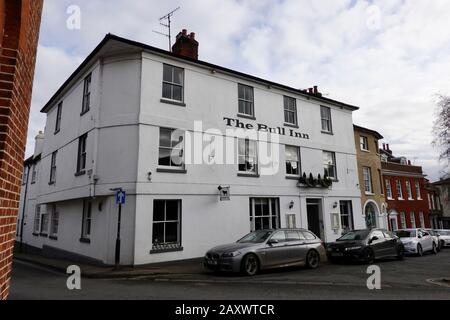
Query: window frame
[[37, 220], [329, 121], [246, 156], [297, 148], [333, 156], [34, 173], [388, 185], [53, 167], [245, 100], [422, 219], [45, 223], [286, 106], [54, 221], [171, 83], [86, 103], [418, 192], [270, 214], [181, 149], [364, 143], [81, 154], [399, 189], [86, 221], [367, 171], [412, 219], [402, 220], [58, 117], [167, 246], [409, 190]]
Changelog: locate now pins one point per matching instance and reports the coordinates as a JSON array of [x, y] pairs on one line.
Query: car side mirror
[[272, 241], [419, 236], [374, 238]]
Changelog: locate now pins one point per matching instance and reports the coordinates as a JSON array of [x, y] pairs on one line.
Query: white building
[[109, 126]]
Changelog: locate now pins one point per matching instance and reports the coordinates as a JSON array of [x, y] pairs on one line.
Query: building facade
[[373, 201], [19, 32], [435, 206], [406, 193], [442, 188], [187, 141]]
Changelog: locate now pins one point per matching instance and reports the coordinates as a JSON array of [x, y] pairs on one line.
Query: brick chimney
[[186, 45]]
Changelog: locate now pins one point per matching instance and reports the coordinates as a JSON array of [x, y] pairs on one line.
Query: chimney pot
[[384, 146], [310, 90], [192, 35], [315, 90], [184, 32], [409, 162], [387, 147]]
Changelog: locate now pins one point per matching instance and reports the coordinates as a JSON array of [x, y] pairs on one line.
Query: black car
[[366, 245]]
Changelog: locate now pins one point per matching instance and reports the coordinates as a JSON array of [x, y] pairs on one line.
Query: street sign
[[120, 197]]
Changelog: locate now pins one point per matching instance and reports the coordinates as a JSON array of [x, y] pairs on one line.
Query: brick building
[[19, 32], [406, 194]]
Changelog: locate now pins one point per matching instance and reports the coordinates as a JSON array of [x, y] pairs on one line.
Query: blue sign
[[120, 197]]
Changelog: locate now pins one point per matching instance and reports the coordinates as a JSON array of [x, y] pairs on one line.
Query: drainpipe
[[23, 208]]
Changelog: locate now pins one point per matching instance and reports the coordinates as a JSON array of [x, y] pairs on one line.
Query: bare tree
[[441, 131]]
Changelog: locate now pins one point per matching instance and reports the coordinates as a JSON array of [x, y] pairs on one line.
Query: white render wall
[[122, 148]]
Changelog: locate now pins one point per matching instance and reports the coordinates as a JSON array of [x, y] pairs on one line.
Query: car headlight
[[352, 248], [407, 243], [231, 254]]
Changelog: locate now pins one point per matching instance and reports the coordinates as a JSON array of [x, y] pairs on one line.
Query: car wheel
[[312, 259], [419, 250], [400, 253], [434, 250], [250, 265], [369, 256]]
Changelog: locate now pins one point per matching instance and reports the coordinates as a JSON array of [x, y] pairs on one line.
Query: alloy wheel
[[250, 265], [312, 259]]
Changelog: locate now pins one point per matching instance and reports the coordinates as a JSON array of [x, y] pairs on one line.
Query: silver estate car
[[264, 249], [444, 237], [416, 241]]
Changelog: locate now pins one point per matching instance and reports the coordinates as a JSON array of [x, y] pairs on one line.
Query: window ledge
[[400, 199], [43, 234], [171, 170], [328, 132], [174, 102], [246, 116], [292, 177], [85, 240], [56, 131], [291, 125], [162, 250], [53, 237], [35, 234], [84, 112], [80, 173], [51, 182], [410, 199], [389, 198], [250, 175], [364, 150]]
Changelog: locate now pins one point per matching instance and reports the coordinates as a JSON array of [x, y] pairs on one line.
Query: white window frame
[[388, 189], [325, 119], [412, 219], [292, 161], [364, 143], [45, 223], [37, 219], [403, 220], [86, 104], [288, 110], [409, 190], [418, 192], [399, 189], [246, 99], [54, 221], [422, 219], [172, 149], [164, 245], [81, 154], [53, 167], [58, 117], [172, 84], [333, 164], [246, 156], [367, 177], [270, 215], [86, 220]]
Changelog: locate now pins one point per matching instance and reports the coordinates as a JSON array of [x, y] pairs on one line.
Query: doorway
[[315, 217]]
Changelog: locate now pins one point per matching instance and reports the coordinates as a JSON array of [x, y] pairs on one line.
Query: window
[[329, 163], [367, 174], [346, 215], [380, 178], [429, 202], [247, 156], [264, 213], [398, 185], [245, 100], [34, 173], [418, 195], [81, 157], [325, 115], [408, 190], [166, 234], [364, 143], [388, 189], [86, 95], [412, 219], [290, 110], [53, 168], [86, 220], [422, 219], [403, 220], [172, 87], [171, 146], [44, 223], [58, 117], [292, 160], [54, 221], [37, 219]]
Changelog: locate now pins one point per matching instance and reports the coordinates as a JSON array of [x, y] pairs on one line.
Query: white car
[[444, 236], [417, 241]]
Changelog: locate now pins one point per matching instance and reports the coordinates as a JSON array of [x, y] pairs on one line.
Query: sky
[[389, 57]]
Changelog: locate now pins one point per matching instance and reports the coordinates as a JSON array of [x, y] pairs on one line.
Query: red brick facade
[[19, 31], [403, 203]]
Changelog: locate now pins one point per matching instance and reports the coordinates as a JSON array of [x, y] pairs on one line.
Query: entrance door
[[393, 223], [315, 217]]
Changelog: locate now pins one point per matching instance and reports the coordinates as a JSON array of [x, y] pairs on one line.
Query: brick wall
[[18, 39]]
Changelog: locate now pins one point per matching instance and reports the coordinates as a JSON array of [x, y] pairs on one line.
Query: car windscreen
[[256, 237], [354, 235], [406, 233]]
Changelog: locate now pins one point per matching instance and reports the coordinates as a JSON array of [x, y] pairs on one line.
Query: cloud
[[390, 57]]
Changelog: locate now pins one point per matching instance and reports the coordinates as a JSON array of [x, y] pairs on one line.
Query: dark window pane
[[158, 232], [164, 157], [171, 231], [172, 210], [241, 91], [167, 73], [265, 207], [178, 76], [258, 224], [265, 223], [274, 223], [164, 137], [177, 93], [167, 92], [241, 106], [158, 210]]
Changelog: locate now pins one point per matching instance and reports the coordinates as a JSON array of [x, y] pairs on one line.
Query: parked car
[[264, 249], [444, 237], [416, 241], [436, 238], [366, 245]]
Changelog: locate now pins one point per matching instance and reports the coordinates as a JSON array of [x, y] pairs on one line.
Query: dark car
[[366, 245]]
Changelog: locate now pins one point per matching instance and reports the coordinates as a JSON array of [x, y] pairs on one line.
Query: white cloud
[[392, 72]]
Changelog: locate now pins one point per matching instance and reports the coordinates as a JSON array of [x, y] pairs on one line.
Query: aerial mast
[[165, 21]]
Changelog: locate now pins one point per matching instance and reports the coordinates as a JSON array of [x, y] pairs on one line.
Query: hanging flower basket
[[311, 182]]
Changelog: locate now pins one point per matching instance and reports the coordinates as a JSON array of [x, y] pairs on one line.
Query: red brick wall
[[19, 37]]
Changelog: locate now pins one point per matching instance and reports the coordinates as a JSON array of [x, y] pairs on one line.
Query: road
[[405, 279]]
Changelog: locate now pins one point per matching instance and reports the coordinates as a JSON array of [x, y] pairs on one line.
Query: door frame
[[319, 203]]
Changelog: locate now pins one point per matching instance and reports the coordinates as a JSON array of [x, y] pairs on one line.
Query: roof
[[138, 45], [373, 132], [441, 182]]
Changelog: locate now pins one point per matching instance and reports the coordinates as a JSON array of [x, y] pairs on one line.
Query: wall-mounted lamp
[[149, 176], [335, 204], [291, 204]]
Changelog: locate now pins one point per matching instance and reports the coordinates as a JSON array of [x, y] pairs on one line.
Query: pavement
[[413, 278]]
